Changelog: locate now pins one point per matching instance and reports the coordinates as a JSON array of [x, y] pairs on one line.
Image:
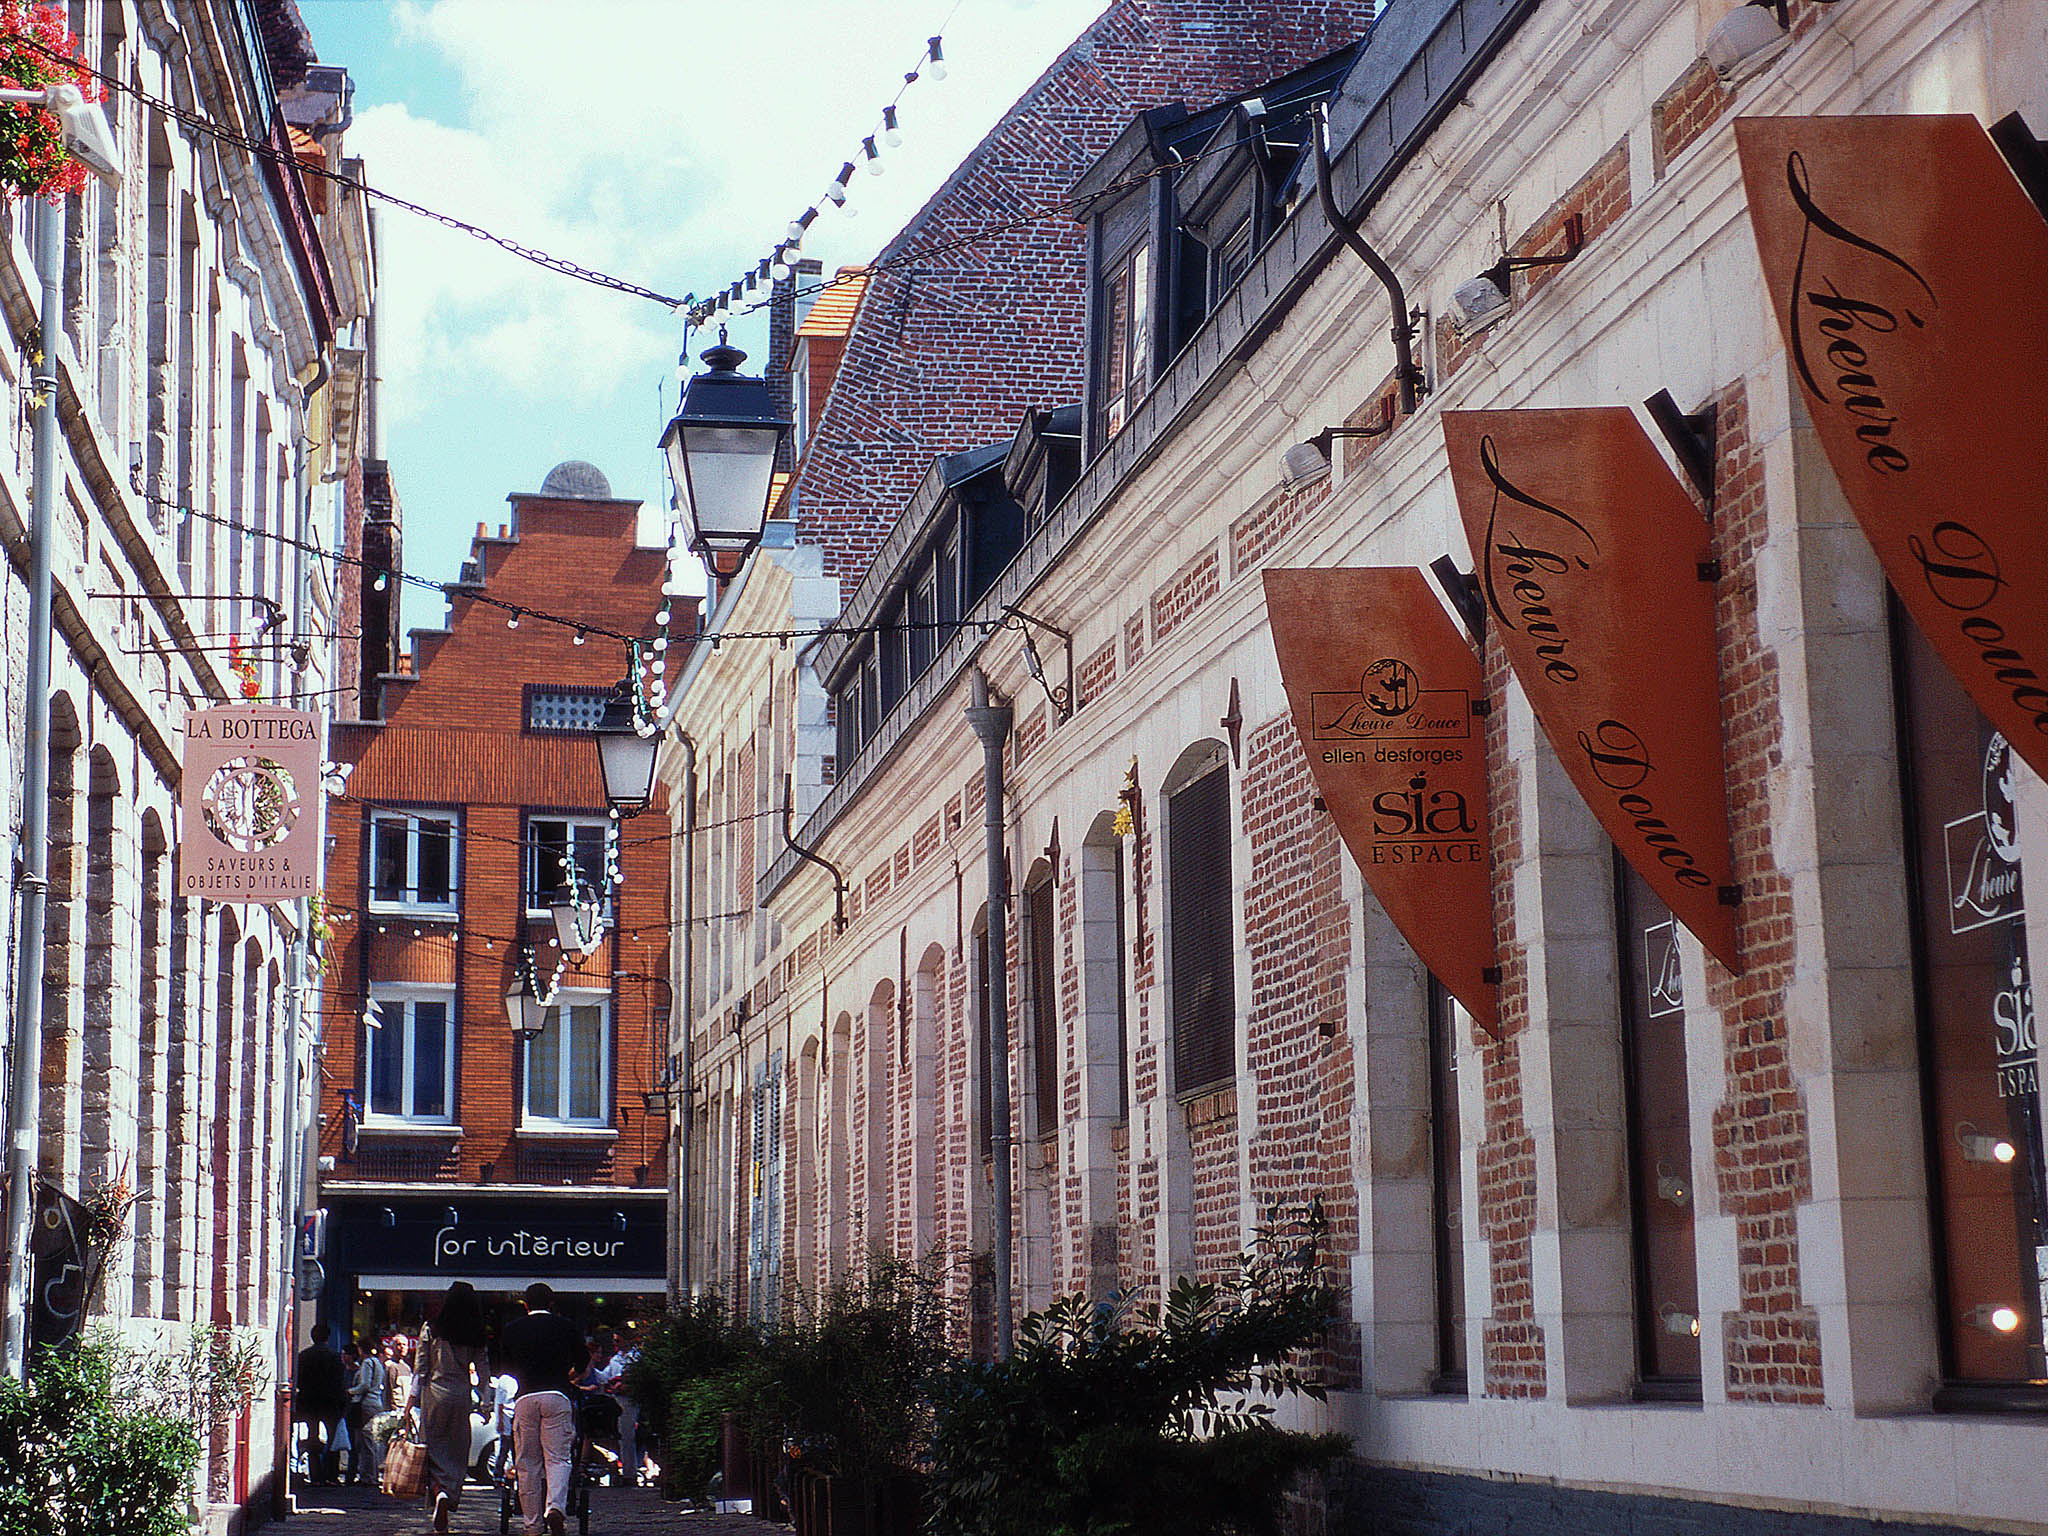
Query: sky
[[666, 142]]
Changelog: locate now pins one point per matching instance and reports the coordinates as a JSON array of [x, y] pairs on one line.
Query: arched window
[[1201, 931]]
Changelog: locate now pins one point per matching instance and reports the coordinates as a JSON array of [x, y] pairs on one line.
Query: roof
[[778, 488], [836, 305]]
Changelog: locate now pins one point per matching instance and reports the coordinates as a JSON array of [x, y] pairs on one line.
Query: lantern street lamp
[[579, 920], [721, 448], [524, 1005], [624, 755]]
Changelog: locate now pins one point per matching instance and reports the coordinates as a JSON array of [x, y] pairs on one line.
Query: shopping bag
[[405, 1468]]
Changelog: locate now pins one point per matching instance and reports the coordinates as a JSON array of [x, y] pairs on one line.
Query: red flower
[[36, 49]]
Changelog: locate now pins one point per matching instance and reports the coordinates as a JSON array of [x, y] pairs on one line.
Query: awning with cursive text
[[1909, 273], [1590, 555], [1382, 687]]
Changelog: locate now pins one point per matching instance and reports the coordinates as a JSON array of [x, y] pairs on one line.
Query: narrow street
[[613, 1512]]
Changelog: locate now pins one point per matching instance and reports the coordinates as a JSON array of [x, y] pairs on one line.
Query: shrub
[[78, 1458], [1103, 1421]]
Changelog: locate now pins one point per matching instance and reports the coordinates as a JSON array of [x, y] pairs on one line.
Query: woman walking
[[453, 1375]]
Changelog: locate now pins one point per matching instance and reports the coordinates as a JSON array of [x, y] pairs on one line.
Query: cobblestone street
[[613, 1512]]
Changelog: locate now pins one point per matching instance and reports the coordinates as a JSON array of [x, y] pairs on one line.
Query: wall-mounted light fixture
[[1746, 40], [1980, 1148], [1680, 1323], [387, 1217], [1311, 456], [1484, 299], [1994, 1317], [1672, 1188]]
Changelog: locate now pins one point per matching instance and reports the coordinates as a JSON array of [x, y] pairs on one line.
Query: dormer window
[[1126, 338]]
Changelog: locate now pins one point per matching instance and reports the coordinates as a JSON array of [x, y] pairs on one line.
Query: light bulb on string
[[892, 135], [580, 638], [872, 155], [664, 616], [380, 583], [513, 622], [935, 57]]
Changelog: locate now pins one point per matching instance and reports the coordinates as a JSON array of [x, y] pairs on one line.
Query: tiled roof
[[778, 488], [832, 314]]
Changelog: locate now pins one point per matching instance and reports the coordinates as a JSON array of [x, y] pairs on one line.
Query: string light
[[874, 156], [891, 134], [935, 60]]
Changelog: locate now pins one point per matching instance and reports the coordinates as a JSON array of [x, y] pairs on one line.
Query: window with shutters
[[764, 1179], [1659, 1114], [1201, 937], [1045, 1048]]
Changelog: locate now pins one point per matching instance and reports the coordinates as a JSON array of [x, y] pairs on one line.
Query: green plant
[[845, 1384], [693, 1440], [698, 1341], [79, 1457], [1105, 1421]]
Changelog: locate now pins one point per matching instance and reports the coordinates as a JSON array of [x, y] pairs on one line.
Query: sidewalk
[[613, 1512]]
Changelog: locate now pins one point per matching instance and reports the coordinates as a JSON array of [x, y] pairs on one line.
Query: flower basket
[[36, 50]]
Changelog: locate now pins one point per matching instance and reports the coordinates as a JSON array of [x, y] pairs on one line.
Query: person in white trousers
[[544, 1352]]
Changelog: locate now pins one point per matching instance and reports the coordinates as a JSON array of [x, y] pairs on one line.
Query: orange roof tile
[[832, 314], [778, 489]]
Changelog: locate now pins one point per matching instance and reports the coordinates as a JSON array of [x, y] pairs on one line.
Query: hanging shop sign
[[249, 804], [1590, 555], [1909, 273], [1383, 690]]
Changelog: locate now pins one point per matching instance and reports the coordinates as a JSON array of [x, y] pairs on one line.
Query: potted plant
[[36, 50]]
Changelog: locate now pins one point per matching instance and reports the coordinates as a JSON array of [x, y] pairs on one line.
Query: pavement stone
[[613, 1512]]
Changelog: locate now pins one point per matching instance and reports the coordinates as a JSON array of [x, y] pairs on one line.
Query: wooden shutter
[[1202, 943]]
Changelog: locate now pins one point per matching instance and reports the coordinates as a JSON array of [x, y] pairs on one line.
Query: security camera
[[1743, 42]]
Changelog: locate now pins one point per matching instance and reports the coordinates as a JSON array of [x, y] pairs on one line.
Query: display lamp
[[721, 448]]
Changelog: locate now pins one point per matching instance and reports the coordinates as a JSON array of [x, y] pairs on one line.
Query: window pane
[[548, 846], [436, 862], [1044, 1007], [544, 1070], [1139, 372], [586, 1063], [430, 1059], [1203, 944], [388, 882], [589, 842], [386, 1048]]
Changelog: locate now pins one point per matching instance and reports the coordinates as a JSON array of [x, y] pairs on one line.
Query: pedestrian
[[320, 1402], [366, 1401], [504, 1391], [545, 1352], [453, 1377]]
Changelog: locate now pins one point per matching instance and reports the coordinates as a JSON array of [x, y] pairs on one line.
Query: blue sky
[[667, 142]]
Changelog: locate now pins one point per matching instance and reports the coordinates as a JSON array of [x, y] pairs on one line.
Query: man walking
[[321, 1389], [544, 1352]]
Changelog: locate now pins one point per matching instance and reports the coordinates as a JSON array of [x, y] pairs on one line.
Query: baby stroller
[[577, 1504]]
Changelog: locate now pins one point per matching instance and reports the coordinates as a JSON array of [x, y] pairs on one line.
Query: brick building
[[209, 388], [449, 1149], [1672, 1242]]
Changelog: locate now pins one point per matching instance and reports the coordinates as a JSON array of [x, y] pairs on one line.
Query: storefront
[[387, 1256]]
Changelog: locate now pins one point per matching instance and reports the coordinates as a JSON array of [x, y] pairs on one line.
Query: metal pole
[[990, 719], [26, 1060], [679, 1014]]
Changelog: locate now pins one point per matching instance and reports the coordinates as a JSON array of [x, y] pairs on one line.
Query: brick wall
[[1761, 1165], [1511, 1339], [1183, 592]]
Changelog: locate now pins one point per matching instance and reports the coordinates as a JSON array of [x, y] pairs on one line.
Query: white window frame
[[568, 998], [395, 1002], [531, 861], [410, 902]]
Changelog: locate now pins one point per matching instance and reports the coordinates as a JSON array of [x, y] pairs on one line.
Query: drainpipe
[[25, 1061], [679, 1011], [989, 717]]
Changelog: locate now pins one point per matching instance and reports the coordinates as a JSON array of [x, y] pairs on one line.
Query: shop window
[[412, 862], [1447, 1192], [409, 1056], [1202, 945], [1659, 1118], [1045, 1033], [1978, 1039], [1126, 340], [553, 844], [568, 1065]]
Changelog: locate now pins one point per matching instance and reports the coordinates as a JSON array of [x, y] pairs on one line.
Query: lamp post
[[624, 755], [86, 136], [721, 448]]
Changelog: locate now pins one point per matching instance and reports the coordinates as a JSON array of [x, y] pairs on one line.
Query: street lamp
[[721, 448], [524, 1005], [624, 755]]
